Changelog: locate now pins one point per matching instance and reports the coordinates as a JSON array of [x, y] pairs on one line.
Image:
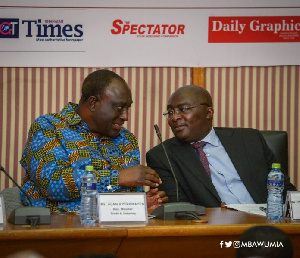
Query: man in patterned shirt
[[60, 145]]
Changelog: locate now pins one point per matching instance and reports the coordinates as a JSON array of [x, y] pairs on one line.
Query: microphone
[[165, 151], [27, 215], [176, 210]]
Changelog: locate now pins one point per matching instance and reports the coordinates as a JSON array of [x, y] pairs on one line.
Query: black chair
[[278, 143], [12, 199]]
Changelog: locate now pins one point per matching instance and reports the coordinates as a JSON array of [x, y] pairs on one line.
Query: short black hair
[[197, 90], [96, 82]]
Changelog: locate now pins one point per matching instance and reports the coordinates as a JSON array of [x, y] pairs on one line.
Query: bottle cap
[[276, 165], [89, 168]]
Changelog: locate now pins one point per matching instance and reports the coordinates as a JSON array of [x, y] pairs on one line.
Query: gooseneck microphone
[[20, 188], [176, 210], [166, 153], [27, 214]]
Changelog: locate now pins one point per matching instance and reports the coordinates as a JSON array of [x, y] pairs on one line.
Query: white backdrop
[[160, 33]]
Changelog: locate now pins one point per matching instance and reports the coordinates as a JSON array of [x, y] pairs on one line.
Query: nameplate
[[292, 205], [2, 210], [122, 207]]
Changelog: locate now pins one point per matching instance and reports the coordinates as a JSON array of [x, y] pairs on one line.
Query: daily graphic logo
[[9, 28], [253, 29]]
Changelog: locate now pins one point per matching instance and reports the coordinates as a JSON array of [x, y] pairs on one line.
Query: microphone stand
[[28, 214]]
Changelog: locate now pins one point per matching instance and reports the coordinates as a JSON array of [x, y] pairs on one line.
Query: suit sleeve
[[156, 159]]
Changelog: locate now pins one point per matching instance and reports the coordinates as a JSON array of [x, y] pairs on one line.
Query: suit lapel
[[234, 148], [237, 152], [186, 155]]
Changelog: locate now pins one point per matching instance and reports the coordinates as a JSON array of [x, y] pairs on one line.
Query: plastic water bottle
[[275, 189], [88, 208]]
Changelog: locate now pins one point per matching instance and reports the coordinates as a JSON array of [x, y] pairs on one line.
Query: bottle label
[[89, 186], [275, 183]]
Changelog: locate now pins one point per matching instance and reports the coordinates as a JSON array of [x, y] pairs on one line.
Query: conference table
[[65, 236]]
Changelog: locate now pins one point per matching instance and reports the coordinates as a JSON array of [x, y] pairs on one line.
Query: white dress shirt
[[224, 176]]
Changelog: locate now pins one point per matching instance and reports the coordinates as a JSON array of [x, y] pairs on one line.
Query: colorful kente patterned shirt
[[58, 148]]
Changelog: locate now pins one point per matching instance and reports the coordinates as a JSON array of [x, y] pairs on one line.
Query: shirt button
[[207, 155], [230, 186]]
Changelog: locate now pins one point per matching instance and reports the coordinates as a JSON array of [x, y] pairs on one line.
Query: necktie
[[199, 147]]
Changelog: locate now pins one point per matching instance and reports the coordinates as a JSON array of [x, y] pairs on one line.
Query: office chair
[[278, 143], [12, 199]]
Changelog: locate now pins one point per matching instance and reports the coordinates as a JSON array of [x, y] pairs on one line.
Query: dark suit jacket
[[247, 150]]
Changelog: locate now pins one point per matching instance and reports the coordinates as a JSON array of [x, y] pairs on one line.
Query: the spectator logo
[[144, 30]]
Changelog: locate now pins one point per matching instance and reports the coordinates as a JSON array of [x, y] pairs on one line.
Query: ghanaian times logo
[[9, 28]]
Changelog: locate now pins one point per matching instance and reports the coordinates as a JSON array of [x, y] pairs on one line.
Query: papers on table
[[2, 210], [258, 209], [292, 205]]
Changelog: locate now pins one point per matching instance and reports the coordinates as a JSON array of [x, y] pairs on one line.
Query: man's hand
[[156, 198], [139, 175], [223, 205]]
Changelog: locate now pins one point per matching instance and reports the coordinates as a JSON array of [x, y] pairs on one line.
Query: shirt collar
[[70, 114], [211, 138]]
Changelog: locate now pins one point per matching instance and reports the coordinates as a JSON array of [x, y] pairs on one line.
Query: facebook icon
[[9, 28]]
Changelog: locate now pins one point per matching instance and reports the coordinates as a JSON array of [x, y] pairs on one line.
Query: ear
[[92, 100], [210, 113]]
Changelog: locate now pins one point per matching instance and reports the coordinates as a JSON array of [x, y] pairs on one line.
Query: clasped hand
[[140, 175]]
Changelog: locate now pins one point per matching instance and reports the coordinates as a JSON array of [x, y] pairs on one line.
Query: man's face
[[192, 124], [111, 111]]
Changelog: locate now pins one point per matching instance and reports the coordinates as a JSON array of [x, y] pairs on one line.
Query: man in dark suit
[[235, 161]]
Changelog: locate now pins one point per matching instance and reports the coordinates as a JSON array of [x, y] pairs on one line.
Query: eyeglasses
[[181, 110]]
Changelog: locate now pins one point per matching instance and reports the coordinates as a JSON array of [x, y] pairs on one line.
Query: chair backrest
[[278, 143], [12, 199]]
